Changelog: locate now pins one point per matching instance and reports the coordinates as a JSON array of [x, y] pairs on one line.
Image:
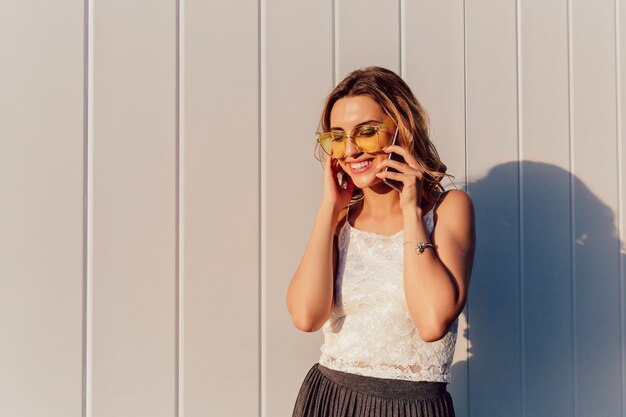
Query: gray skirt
[[329, 393]]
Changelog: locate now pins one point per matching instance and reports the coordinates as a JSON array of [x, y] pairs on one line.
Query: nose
[[350, 148]]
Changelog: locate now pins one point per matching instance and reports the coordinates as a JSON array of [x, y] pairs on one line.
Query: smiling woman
[[349, 113], [386, 270]]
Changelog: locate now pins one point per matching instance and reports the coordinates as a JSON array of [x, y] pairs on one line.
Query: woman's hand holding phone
[[336, 195], [407, 174]]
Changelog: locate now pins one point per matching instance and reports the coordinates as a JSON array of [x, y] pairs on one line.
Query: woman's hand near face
[[334, 196], [410, 174], [310, 293]]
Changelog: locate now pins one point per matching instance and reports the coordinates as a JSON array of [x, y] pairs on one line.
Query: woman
[[387, 266]]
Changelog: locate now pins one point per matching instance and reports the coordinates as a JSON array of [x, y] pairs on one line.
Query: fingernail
[[379, 174]]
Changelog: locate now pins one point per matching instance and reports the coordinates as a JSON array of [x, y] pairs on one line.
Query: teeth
[[360, 165]]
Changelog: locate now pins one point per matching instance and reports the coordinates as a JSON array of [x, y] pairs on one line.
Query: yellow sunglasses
[[365, 138]]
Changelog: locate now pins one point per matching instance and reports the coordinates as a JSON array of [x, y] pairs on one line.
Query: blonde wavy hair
[[398, 101]]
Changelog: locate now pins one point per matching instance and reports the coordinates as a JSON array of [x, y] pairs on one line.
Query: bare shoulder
[[455, 230], [455, 200], [455, 208]]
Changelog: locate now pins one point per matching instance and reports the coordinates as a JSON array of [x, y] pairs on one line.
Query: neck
[[381, 201]]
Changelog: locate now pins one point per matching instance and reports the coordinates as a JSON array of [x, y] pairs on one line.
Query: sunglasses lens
[[367, 139], [339, 148], [331, 146]]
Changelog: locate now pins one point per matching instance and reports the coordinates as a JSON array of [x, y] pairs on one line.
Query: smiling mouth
[[361, 166]]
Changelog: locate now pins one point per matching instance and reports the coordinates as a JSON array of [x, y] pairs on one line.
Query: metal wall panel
[[547, 361], [434, 67], [596, 283], [219, 209], [492, 133], [621, 173], [367, 33], [296, 75], [133, 181], [41, 221]]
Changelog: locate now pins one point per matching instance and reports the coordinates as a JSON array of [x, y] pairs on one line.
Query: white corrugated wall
[[158, 186]]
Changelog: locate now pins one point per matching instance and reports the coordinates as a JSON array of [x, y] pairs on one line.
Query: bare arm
[[436, 281], [310, 292]]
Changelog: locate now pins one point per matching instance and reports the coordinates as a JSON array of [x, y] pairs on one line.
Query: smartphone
[[396, 185]]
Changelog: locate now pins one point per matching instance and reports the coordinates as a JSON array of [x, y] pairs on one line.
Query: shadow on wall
[[544, 302]]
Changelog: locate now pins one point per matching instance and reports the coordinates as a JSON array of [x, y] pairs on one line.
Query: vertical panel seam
[[179, 230], [466, 186], [85, 191], [620, 207], [570, 88], [332, 41], [335, 51], [261, 251], [520, 196], [402, 37], [465, 138], [87, 207]]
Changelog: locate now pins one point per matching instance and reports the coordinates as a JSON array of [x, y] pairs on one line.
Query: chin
[[366, 182]]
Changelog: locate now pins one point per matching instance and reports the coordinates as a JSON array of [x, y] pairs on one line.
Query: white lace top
[[370, 331]]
